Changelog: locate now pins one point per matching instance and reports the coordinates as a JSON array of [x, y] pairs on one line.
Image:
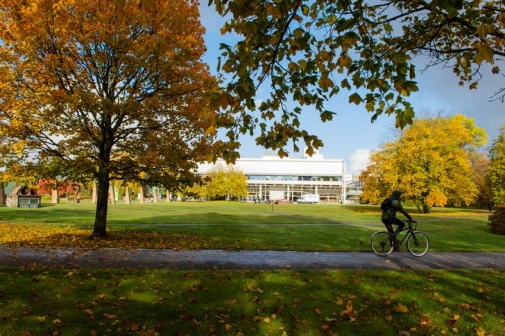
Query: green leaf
[[327, 116], [355, 98], [345, 84], [325, 83]]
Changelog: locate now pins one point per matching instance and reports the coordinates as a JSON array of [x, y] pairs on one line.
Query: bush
[[497, 221]]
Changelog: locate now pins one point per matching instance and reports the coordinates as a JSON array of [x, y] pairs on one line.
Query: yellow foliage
[[401, 308], [430, 162]]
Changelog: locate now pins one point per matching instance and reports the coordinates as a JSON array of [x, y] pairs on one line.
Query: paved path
[[238, 260]]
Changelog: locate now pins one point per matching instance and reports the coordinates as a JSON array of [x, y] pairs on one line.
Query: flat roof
[[284, 166]]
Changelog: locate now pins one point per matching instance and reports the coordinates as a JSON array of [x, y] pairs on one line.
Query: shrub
[[497, 221]]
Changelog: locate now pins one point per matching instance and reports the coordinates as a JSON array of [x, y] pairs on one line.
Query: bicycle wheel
[[381, 243], [418, 244]]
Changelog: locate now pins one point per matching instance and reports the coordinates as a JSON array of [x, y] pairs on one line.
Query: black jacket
[[391, 212]]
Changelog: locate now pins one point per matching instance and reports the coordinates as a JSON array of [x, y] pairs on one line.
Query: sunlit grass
[[38, 300], [233, 225], [216, 302], [215, 213]]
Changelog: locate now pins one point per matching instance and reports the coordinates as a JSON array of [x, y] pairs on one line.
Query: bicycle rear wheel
[[418, 244], [381, 243]]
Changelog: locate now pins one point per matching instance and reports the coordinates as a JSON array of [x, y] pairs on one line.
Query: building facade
[[272, 178]]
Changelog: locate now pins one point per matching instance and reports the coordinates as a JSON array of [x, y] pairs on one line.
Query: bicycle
[[417, 242]]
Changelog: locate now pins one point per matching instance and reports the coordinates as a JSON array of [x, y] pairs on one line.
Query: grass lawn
[[233, 225], [39, 300], [62, 301]]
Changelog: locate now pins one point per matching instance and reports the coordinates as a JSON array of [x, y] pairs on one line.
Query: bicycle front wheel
[[381, 243], [418, 244]]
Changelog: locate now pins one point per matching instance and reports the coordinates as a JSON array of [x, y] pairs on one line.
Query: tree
[[480, 164], [496, 170], [309, 51], [430, 162], [199, 191], [108, 91], [227, 182]]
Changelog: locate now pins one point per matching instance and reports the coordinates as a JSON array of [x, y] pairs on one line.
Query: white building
[[273, 178]]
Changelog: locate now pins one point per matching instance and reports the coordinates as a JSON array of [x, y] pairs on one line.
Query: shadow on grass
[[194, 237], [164, 214], [131, 302]]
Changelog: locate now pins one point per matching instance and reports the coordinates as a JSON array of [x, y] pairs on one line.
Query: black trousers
[[388, 223]]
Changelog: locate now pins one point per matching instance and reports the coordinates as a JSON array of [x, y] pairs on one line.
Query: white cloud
[[359, 160]]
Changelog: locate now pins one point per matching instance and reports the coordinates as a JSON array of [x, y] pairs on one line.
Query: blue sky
[[350, 135]]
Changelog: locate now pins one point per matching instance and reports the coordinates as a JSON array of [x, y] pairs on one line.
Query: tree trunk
[[426, 209], [112, 196], [155, 195], [77, 194], [55, 194], [127, 195], [2, 193], [93, 195], [102, 203], [141, 195]]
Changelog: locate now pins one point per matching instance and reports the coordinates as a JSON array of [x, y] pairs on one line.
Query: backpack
[[387, 204]]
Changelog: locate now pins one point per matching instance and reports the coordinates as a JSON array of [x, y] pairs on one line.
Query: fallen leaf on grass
[[109, 316], [401, 308], [185, 316], [453, 320], [480, 331]]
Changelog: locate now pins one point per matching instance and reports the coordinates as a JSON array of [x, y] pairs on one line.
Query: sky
[[351, 136]]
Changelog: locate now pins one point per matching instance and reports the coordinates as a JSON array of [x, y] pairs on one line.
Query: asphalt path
[[240, 260]]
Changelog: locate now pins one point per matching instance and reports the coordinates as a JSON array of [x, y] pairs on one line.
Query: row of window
[[293, 178]]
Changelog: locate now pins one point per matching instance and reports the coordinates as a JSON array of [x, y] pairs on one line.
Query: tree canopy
[[105, 90], [496, 169], [309, 51], [226, 182], [430, 162]]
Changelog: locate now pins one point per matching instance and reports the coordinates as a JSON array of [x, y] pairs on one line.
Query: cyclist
[[394, 204]]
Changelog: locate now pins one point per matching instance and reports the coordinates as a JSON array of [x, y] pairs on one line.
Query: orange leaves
[[349, 312], [134, 83], [62, 236], [89, 312], [110, 316]]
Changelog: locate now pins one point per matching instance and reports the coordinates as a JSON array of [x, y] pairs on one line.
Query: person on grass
[[389, 208]]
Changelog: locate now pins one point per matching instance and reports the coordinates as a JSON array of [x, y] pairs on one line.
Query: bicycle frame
[[417, 243], [410, 230]]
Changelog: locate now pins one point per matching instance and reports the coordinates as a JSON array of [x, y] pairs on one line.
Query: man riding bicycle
[[389, 209]]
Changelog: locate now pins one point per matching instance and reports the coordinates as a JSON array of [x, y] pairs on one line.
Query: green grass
[[40, 300], [213, 212], [233, 225]]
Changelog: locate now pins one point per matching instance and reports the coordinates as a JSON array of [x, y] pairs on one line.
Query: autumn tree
[[309, 51], [198, 190], [429, 161], [226, 182], [109, 91], [496, 170]]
